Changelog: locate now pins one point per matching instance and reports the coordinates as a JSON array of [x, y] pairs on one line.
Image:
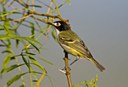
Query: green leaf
[[30, 40], [1, 45], [20, 38], [46, 61], [6, 21], [1, 27], [32, 29], [35, 47], [8, 69], [17, 43], [14, 79], [34, 62], [6, 25], [91, 83], [54, 35], [68, 1], [27, 39], [30, 53], [25, 61], [6, 60], [2, 1], [4, 37], [13, 67], [6, 51], [65, 2], [22, 85]]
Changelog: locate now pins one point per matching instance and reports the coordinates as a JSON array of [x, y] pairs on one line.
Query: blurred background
[[103, 26]]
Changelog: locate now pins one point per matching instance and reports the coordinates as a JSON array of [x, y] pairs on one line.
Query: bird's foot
[[64, 69]]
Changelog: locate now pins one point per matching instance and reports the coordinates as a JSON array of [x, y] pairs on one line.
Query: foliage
[[21, 49], [91, 83]]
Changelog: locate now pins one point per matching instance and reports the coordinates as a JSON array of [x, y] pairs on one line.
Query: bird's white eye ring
[[57, 24]]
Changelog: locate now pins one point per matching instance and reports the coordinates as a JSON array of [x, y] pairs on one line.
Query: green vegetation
[[20, 51]]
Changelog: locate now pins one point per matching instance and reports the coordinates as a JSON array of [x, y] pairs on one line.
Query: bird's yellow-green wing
[[73, 44]]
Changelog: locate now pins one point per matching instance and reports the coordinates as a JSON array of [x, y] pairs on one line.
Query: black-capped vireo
[[72, 44]]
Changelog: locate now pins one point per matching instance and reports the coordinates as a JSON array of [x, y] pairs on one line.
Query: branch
[[40, 79], [32, 13], [48, 15], [67, 69]]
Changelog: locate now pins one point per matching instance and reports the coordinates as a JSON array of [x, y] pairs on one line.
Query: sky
[[103, 26]]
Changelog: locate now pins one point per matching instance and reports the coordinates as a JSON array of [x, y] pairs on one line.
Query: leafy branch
[[14, 15], [22, 24]]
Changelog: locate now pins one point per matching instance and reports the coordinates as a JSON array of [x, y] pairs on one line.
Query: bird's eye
[[57, 24]]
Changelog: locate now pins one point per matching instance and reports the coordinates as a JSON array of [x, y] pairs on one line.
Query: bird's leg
[[74, 61]]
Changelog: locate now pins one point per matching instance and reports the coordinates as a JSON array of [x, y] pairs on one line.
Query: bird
[[72, 43]]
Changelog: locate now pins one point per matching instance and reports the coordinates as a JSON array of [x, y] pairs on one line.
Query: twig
[[48, 15], [49, 8], [67, 69], [31, 13], [40, 80]]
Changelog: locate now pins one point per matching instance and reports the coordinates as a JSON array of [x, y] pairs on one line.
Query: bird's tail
[[98, 65]]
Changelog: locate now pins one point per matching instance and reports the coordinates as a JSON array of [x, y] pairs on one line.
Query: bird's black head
[[61, 26]]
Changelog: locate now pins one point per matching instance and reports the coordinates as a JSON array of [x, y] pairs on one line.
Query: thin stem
[[33, 3], [67, 69], [40, 80], [56, 7], [49, 8]]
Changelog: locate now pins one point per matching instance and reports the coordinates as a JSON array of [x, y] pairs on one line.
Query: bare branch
[[67, 69]]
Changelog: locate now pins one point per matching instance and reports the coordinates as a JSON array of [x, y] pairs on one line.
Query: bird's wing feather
[[72, 40]]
